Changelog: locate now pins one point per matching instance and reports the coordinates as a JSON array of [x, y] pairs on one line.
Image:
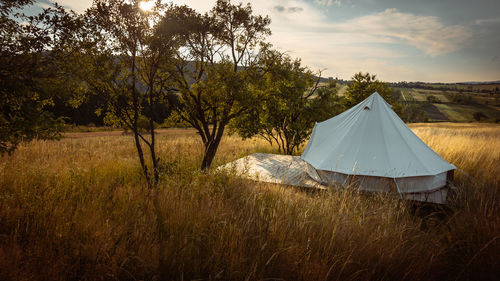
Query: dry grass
[[79, 209]]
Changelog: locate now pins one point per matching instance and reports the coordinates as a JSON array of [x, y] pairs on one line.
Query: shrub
[[433, 99], [478, 115]]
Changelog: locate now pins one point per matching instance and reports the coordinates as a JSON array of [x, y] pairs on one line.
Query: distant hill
[[480, 83]]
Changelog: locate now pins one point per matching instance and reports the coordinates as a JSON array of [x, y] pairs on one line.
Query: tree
[[292, 101], [30, 75], [123, 56], [216, 69], [433, 99], [478, 115], [365, 84]]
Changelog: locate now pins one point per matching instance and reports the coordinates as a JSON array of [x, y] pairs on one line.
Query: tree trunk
[[156, 172], [141, 157], [211, 147], [210, 151], [136, 118], [289, 146]]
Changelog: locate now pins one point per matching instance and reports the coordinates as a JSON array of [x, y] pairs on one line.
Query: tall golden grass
[[79, 209]]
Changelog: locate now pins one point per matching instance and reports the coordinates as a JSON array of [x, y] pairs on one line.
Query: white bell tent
[[370, 147]]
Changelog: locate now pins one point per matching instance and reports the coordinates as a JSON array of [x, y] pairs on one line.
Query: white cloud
[[282, 9], [340, 56], [487, 21], [43, 5], [78, 6], [328, 2], [426, 33], [371, 43]]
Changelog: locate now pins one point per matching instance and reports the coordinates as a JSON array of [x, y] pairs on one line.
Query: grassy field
[[79, 209], [421, 95], [454, 105], [462, 86]]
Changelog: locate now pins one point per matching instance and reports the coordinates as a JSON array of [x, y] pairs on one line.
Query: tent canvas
[[273, 168], [370, 147]]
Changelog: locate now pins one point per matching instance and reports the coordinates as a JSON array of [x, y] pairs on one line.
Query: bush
[[433, 99], [478, 115]]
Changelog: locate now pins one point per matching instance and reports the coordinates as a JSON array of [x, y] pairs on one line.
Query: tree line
[[133, 68]]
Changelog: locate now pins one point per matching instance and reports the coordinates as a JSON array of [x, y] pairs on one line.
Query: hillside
[[456, 102]]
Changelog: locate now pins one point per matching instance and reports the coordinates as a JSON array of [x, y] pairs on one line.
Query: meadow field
[[455, 106], [79, 209]]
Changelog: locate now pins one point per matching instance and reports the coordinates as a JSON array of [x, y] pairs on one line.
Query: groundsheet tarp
[[273, 168]]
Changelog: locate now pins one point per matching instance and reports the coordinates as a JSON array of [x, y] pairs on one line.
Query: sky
[[398, 40]]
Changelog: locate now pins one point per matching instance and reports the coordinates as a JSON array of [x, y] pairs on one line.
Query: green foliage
[[413, 113], [30, 75], [174, 121], [460, 97], [433, 99], [290, 103], [365, 84], [478, 115]]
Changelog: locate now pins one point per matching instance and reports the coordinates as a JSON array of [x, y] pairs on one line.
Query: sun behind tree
[[146, 6]]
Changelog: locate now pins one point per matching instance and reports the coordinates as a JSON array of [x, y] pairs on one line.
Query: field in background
[[79, 209], [454, 105], [450, 102]]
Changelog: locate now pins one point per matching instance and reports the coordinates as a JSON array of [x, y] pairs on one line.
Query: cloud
[[487, 21], [281, 9], [44, 5], [385, 43], [426, 33], [295, 9], [78, 6], [342, 56], [328, 2]]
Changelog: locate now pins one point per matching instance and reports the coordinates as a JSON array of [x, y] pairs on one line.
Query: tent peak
[[376, 95]]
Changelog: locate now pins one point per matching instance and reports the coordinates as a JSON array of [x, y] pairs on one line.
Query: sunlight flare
[[146, 6]]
